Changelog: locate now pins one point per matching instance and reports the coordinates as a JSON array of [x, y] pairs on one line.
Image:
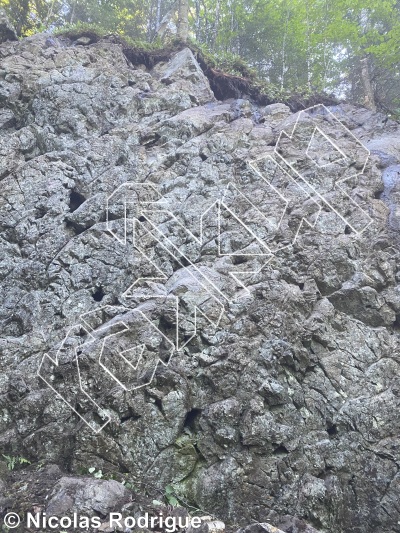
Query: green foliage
[[31, 16], [122, 478], [235, 65], [98, 474], [171, 496], [80, 29], [12, 461], [96, 32], [281, 46], [309, 46], [128, 485]]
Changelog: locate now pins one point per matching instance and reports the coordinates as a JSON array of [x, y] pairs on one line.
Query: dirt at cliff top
[[243, 84], [273, 397]]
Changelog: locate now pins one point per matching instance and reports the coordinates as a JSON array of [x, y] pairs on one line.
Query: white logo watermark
[[146, 521]]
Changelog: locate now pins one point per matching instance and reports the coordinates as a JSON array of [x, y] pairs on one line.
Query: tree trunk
[[183, 20], [369, 98], [285, 32], [198, 20], [162, 28], [72, 18], [216, 24], [308, 47], [158, 15]]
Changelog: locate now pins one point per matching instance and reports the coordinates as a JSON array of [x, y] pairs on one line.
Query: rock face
[[194, 297], [86, 496], [7, 32]]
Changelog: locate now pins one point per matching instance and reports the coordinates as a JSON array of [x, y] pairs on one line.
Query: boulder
[[86, 496]]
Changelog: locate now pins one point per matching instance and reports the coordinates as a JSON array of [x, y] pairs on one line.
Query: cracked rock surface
[[280, 405]]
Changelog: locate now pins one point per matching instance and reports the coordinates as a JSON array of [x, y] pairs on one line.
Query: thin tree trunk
[[216, 24], [284, 49], [198, 20], [206, 31], [71, 20], [49, 14], [183, 20], [162, 28], [308, 48], [234, 42], [158, 16], [325, 54], [150, 22], [369, 98]]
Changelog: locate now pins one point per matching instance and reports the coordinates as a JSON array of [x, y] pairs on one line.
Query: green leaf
[[172, 501], [91, 470], [169, 489]]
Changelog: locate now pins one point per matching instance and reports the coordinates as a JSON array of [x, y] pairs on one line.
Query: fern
[[12, 461]]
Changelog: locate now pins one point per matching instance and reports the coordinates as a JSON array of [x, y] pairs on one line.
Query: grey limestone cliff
[[280, 404]]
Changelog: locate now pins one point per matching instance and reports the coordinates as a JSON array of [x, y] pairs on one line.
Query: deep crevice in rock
[[76, 199], [396, 323], [74, 227], [191, 417], [280, 450], [332, 430], [98, 295], [347, 230], [129, 416]]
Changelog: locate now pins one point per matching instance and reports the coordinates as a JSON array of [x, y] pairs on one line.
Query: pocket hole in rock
[[332, 430], [191, 418], [98, 295], [347, 230], [75, 200]]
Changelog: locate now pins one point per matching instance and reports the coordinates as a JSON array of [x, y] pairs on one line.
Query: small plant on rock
[[12, 461], [171, 496], [98, 474]]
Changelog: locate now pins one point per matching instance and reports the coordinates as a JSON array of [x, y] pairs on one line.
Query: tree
[[183, 20], [350, 47], [30, 16], [369, 97]]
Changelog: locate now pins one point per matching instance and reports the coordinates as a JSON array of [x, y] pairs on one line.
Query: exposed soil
[[223, 84]]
